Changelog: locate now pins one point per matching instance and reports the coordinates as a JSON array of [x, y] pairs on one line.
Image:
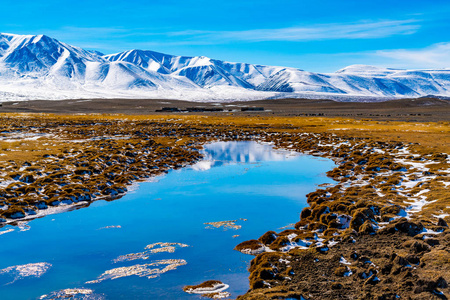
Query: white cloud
[[359, 30], [434, 56], [116, 38]]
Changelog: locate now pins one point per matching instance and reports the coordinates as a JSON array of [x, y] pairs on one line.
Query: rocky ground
[[380, 233]]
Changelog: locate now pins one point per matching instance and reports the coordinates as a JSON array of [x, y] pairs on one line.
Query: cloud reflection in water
[[219, 153]]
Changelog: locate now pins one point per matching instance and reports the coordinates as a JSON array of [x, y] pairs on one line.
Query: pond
[[255, 186]]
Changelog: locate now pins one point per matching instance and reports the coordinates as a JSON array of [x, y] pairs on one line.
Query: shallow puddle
[[180, 229]]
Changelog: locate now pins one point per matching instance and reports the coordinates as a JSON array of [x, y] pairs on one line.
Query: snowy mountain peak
[[38, 66], [145, 59], [94, 52], [200, 61], [40, 37], [365, 69]]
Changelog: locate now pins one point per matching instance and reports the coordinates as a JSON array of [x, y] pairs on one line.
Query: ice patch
[[74, 294], [28, 270], [110, 227], [225, 224], [150, 249], [145, 270], [6, 231]]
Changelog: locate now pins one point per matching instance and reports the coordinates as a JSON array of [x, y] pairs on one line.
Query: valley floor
[[380, 233], [412, 110]]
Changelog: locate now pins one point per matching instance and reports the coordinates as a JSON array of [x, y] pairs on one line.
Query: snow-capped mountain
[[40, 67], [203, 71]]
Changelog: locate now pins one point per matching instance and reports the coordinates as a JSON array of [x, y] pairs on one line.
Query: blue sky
[[321, 36]]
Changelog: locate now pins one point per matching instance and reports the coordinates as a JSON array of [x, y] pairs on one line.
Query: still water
[[256, 186]]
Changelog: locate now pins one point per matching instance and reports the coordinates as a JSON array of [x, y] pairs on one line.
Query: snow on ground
[[221, 93]]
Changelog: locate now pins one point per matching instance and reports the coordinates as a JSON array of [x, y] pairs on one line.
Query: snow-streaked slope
[[125, 76], [294, 81], [360, 80], [40, 67], [43, 63], [201, 70], [398, 82], [41, 54], [148, 60], [365, 70]]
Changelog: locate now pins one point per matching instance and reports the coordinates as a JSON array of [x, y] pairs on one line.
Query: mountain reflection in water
[[219, 153]]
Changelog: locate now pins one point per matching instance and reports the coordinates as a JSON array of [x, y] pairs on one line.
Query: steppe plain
[[381, 232]]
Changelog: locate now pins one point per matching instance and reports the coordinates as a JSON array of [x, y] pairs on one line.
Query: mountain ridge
[[41, 67]]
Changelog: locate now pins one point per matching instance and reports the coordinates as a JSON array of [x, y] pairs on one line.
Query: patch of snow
[[285, 261], [443, 215], [342, 260], [348, 273], [216, 288]]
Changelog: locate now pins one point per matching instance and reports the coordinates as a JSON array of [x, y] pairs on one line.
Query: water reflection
[[146, 232], [219, 153]]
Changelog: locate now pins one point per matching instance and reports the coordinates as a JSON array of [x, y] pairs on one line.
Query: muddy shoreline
[[380, 233]]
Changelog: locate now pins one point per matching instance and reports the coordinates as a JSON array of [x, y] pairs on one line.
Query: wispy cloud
[[98, 38], [332, 31], [434, 56], [160, 36]]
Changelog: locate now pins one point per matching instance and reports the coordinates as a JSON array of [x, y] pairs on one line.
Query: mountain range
[[41, 67]]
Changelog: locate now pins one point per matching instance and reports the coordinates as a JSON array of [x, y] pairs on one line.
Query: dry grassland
[[380, 233]]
